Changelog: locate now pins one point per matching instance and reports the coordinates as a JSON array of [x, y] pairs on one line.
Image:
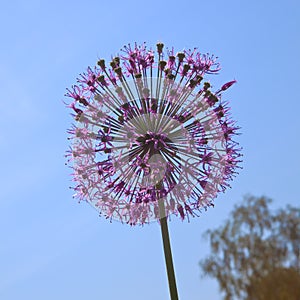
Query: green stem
[[168, 252]]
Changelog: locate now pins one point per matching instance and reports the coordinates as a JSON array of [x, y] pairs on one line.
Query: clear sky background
[[51, 247]]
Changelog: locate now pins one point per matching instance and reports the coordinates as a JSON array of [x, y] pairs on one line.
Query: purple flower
[[150, 128]]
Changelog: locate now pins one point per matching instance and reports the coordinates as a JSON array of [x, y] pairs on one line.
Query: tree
[[255, 248], [280, 284]]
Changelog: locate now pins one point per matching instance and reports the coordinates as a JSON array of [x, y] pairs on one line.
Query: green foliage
[[253, 246]]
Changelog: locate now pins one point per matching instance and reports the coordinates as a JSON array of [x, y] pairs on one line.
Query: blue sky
[[51, 247]]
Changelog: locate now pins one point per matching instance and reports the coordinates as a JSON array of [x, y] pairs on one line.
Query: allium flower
[[150, 129]]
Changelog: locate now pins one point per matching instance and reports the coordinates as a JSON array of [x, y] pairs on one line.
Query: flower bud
[[101, 64], [180, 56], [160, 47]]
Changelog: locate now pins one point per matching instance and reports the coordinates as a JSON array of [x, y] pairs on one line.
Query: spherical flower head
[[150, 133]]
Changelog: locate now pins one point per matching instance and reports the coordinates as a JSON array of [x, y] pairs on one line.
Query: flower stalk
[[168, 252]]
